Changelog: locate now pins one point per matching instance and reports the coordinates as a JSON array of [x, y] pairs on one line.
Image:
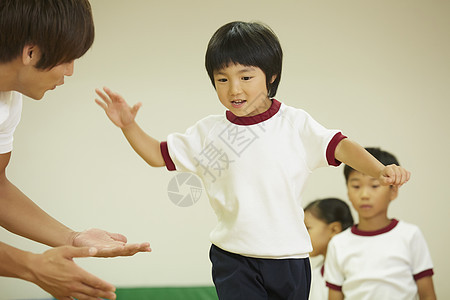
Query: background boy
[[39, 41], [253, 161], [380, 257]]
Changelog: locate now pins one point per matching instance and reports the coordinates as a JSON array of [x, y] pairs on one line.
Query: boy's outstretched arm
[[354, 155], [123, 116], [425, 288], [335, 295]]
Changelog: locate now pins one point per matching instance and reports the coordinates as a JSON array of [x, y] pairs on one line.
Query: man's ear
[[30, 54]]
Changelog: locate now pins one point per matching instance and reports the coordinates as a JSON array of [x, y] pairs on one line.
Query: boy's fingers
[[101, 104], [136, 107], [103, 96]]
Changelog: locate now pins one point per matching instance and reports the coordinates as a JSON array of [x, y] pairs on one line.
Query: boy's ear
[[394, 191], [273, 78], [30, 54], [335, 228]]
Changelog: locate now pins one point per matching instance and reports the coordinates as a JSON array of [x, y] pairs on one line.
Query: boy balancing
[[253, 161], [379, 258]]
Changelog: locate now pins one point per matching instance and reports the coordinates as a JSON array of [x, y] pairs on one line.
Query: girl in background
[[324, 218]]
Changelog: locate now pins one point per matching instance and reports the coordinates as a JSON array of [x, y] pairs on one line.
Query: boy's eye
[[355, 186], [221, 80], [246, 78], [375, 186]]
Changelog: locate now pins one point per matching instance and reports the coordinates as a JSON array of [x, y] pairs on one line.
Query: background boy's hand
[[116, 108], [394, 175], [108, 244]]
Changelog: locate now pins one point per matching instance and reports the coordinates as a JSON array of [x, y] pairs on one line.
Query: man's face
[[35, 82]]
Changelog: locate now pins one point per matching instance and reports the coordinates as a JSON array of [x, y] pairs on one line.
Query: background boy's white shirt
[[380, 266], [10, 112]]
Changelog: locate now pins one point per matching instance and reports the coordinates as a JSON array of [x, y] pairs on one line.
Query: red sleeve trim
[[331, 149], [334, 287], [423, 274], [166, 156]]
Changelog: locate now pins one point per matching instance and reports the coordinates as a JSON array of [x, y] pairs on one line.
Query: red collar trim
[[274, 108], [388, 228]]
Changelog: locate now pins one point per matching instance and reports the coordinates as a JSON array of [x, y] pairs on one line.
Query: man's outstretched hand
[[108, 244]]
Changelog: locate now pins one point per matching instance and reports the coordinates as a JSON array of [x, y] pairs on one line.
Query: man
[[39, 42]]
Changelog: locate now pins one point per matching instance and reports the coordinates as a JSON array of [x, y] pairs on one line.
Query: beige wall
[[378, 70]]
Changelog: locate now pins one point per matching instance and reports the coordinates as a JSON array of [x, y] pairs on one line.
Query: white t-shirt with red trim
[[382, 264], [253, 170], [10, 111]]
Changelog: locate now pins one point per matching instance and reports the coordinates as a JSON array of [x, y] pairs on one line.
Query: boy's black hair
[[384, 157], [331, 210], [249, 44], [63, 30]]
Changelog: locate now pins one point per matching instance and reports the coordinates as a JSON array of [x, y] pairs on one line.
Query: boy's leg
[[236, 277], [286, 279]]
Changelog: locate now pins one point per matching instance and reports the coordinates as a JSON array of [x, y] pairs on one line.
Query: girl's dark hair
[[248, 44], [63, 30], [384, 157], [331, 210]]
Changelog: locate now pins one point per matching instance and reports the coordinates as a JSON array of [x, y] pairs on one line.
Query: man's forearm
[[20, 215], [13, 262]]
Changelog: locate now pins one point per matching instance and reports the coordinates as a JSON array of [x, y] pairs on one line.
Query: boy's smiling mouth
[[238, 103]]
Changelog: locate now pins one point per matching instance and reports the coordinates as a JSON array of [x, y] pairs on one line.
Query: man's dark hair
[[63, 30]]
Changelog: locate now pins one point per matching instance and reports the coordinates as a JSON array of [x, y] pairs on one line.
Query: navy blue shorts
[[238, 277]]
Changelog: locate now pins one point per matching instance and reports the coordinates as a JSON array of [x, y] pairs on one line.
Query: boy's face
[[242, 89], [368, 197]]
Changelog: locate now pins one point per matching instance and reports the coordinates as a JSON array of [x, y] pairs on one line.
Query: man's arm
[[54, 271], [354, 155], [16, 207]]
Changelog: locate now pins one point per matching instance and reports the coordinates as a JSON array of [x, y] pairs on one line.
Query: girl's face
[[320, 233], [242, 89]]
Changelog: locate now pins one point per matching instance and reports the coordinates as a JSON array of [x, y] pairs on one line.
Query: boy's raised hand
[[116, 108], [394, 175]]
